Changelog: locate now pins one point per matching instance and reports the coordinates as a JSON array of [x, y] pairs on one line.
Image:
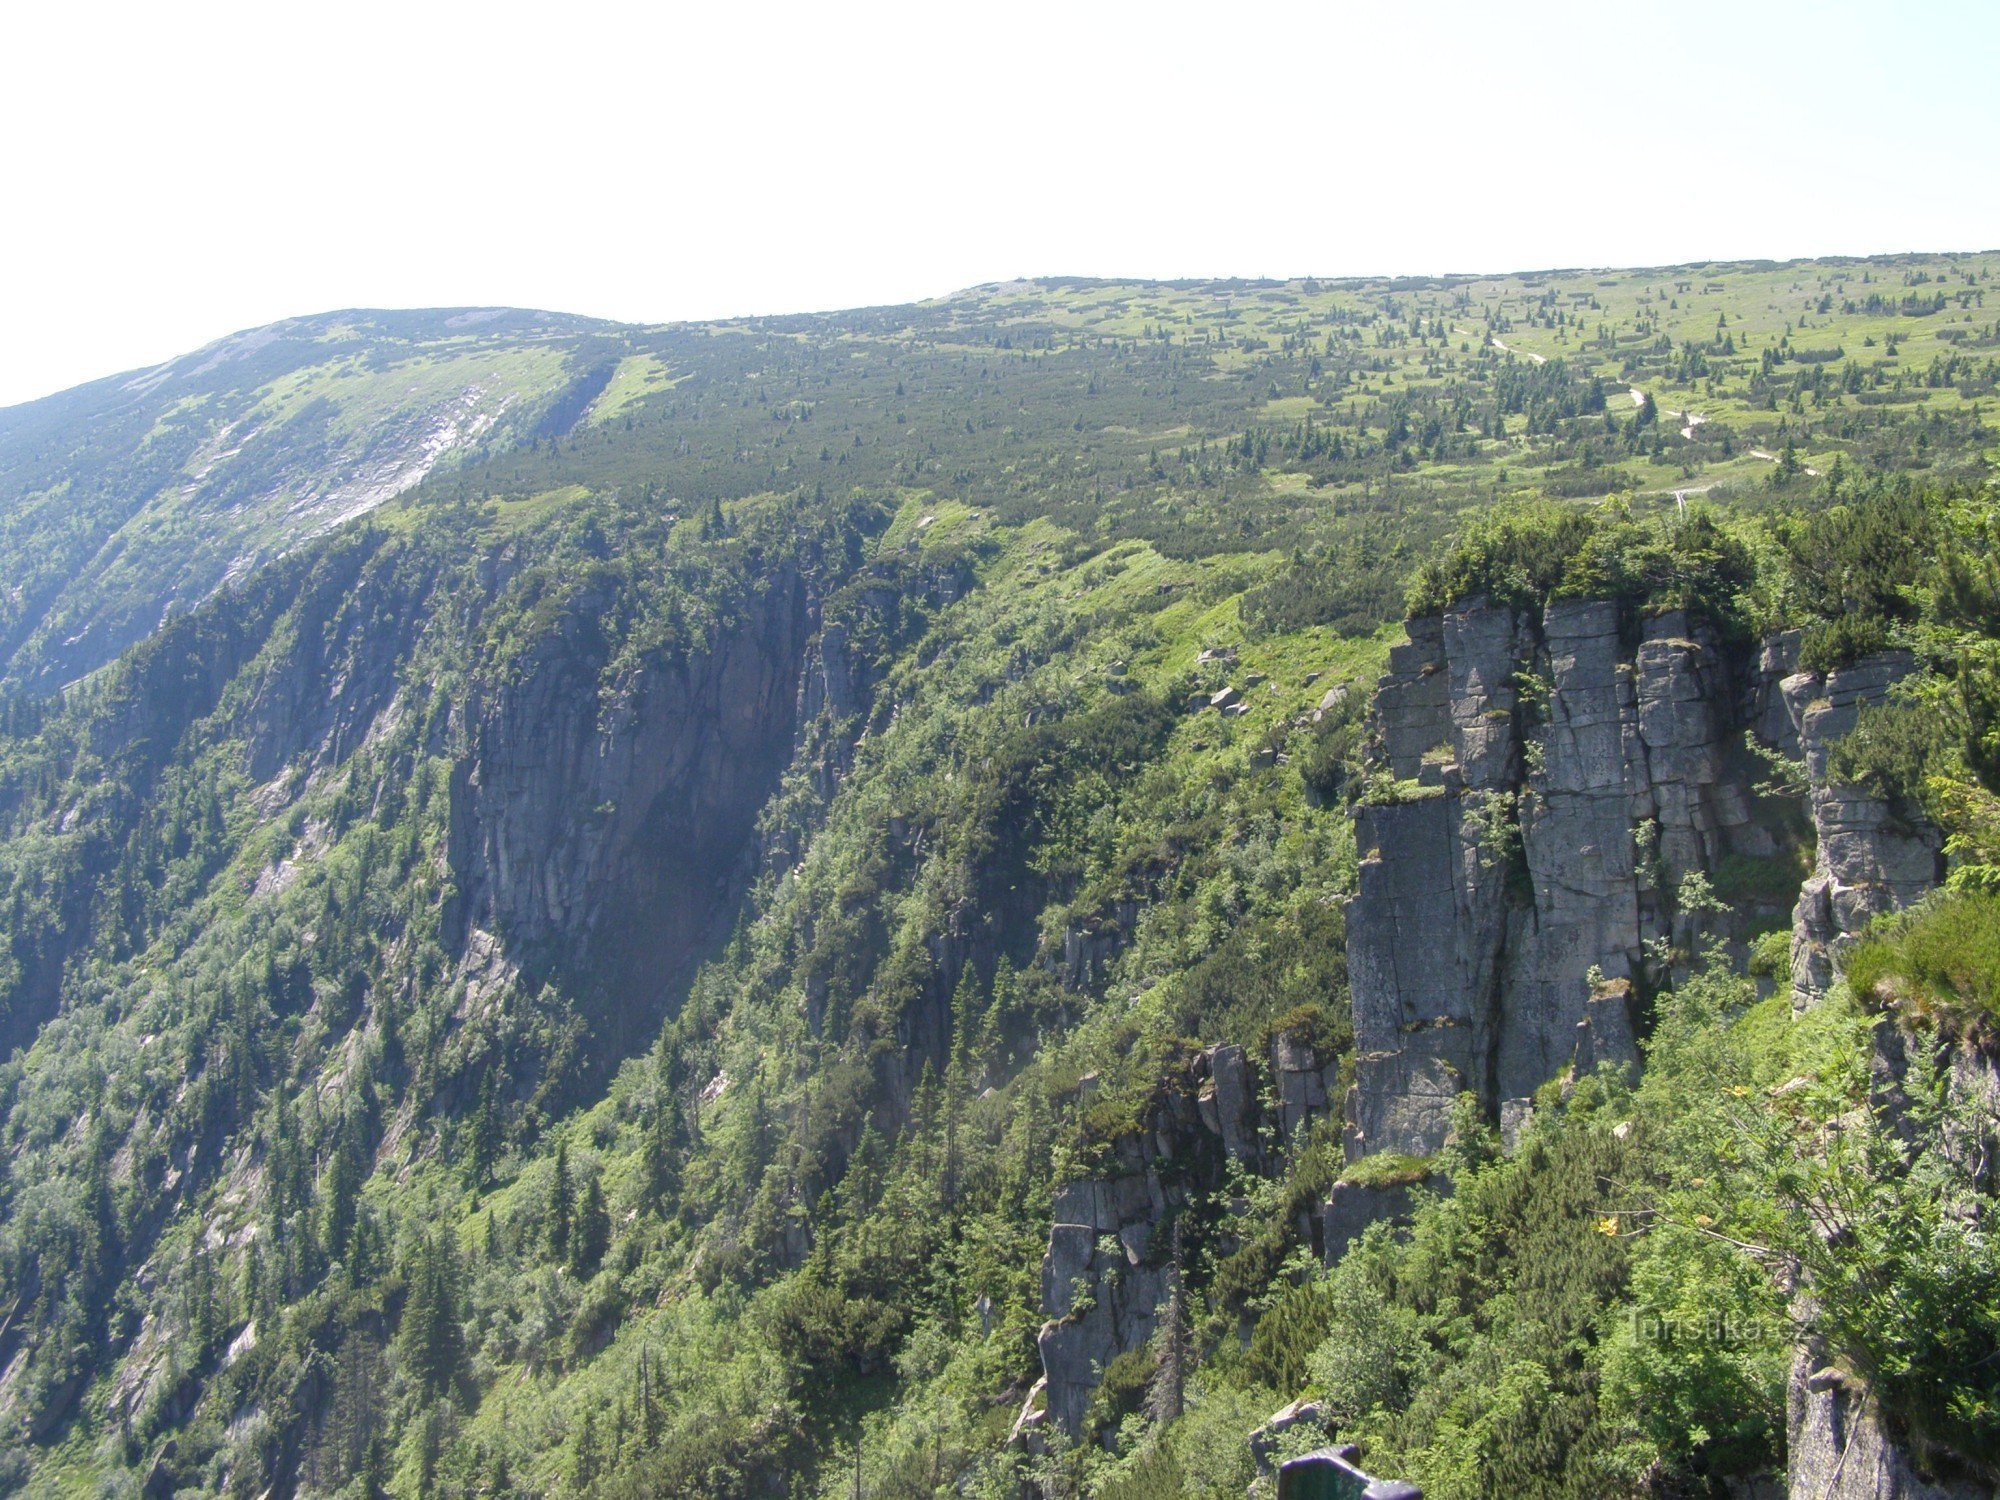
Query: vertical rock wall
[[1555, 783], [605, 828], [1837, 1447], [1105, 1274]]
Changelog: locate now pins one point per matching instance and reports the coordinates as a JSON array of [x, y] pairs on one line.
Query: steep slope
[[883, 894], [129, 500]]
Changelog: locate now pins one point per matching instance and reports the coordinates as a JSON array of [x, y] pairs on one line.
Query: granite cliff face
[[602, 826], [1549, 784], [1613, 764], [1555, 781], [1106, 1275], [1872, 858], [598, 808], [1838, 1449]]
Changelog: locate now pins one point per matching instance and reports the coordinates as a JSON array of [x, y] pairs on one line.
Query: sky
[[171, 173]]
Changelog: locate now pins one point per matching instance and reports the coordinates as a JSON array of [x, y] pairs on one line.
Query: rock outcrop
[[1872, 857], [1268, 1439], [1104, 1276], [1102, 1286], [1838, 1449], [1554, 782], [1351, 1207]]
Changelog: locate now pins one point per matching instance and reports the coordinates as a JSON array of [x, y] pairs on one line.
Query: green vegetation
[[1941, 961], [1531, 554], [1386, 1169], [588, 978]]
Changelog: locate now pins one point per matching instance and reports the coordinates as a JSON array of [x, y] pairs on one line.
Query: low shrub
[[1941, 959]]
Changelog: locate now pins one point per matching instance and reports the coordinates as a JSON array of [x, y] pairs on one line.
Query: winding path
[[1540, 359]]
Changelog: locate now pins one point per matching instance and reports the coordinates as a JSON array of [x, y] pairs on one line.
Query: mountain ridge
[[817, 901]]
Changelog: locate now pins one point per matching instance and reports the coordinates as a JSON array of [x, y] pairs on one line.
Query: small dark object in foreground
[[1331, 1474]]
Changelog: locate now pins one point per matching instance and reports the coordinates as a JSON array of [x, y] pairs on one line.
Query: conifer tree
[[485, 1144], [431, 1342], [586, 1459], [590, 1233], [661, 1152], [561, 1206], [341, 1193]]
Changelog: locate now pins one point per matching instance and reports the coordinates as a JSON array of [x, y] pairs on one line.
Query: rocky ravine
[[1556, 779]]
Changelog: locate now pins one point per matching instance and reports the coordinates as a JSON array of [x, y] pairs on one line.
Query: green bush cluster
[[1941, 960], [1527, 555]]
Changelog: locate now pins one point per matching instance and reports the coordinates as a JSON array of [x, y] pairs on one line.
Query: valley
[[977, 897]]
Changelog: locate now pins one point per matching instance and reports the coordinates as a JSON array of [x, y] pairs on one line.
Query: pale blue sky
[[174, 173]]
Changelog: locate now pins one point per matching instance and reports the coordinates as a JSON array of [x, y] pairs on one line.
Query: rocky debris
[[1872, 858], [1226, 697], [1330, 700], [1836, 1446]]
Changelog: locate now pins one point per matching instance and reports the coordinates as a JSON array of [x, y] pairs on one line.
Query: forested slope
[[836, 900]]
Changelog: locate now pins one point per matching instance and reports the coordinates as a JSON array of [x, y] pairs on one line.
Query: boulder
[[1264, 1441]]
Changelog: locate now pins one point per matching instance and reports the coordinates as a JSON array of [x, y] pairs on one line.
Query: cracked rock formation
[[1872, 857], [1554, 781]]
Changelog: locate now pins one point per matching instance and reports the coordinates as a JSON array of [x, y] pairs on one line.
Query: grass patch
[[1386, 1169]]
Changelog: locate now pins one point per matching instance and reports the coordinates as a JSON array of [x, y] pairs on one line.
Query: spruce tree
[[586, 1460], [485, 1143], [430, 1341], [341, 1194], [660, 1155], [590, 1232], [561, 1206]]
